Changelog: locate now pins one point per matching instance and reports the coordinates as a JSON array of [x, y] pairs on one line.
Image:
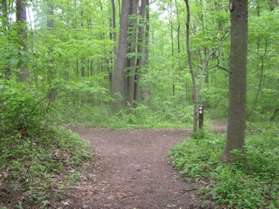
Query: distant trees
[[82, 42], [237, 84], [132, 52]]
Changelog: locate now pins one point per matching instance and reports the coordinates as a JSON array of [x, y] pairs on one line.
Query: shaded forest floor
[[131, 170]]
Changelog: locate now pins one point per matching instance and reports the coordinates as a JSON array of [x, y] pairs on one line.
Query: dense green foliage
[[251, 182], [34, 151], [74, 53]]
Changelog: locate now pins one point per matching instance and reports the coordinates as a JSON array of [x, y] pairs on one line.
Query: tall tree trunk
[[50, 25], [5, 26], [113, 39], [238, 65], [191, 70], [113, 28], [21, 19], [142, 46], [50, 69], [146, 33], [113, 19], [172, 55], [132, 51], [134, 41], [178, 29], [145, 94], [118, 76]]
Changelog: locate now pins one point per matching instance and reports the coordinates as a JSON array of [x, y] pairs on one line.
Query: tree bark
[[113, 19], [191, 70], [172, 54], [238, 65], [143, 62], [132, 52], [51, 62], [178, 28], [142, 46], [113, 39], [118, 76], [5, 26], [4, 8], [21, 19], [113, 28]]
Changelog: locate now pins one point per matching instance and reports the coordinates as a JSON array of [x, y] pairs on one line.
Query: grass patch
[[251, 182]]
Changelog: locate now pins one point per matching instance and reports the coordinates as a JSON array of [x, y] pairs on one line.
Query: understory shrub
[[35, 153], [251, 182]]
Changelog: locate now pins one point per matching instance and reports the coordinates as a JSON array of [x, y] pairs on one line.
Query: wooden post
[[201, 116]]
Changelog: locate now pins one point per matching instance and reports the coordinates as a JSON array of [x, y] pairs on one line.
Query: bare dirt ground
[[131, 170]]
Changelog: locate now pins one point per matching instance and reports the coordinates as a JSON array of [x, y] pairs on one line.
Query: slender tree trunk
[[113, 38], [260, 68], [145, 94], [50, 70], [178, 28], [21, 19], [260, 64], [146, 34], [172, 55], [191, 70], [50, 25], [113, 28], [238, 65], [4, 19], [113, 18], [119, 9], [5, 25]]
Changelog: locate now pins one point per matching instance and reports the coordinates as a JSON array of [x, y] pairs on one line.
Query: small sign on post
[[201, 116]]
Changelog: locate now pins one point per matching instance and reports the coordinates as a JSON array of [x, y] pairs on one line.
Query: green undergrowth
[[38, 158], [251, 182], [81, 103], [33, 168], [141, 116]]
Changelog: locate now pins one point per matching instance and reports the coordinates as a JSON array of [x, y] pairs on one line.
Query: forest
[[139, 104]]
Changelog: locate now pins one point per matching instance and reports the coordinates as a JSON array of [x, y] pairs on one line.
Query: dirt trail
[[131, 171]]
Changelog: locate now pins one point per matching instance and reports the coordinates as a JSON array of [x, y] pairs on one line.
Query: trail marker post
[[201, 116]]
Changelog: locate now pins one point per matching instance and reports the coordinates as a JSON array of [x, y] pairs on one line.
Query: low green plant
[[252, 181]]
